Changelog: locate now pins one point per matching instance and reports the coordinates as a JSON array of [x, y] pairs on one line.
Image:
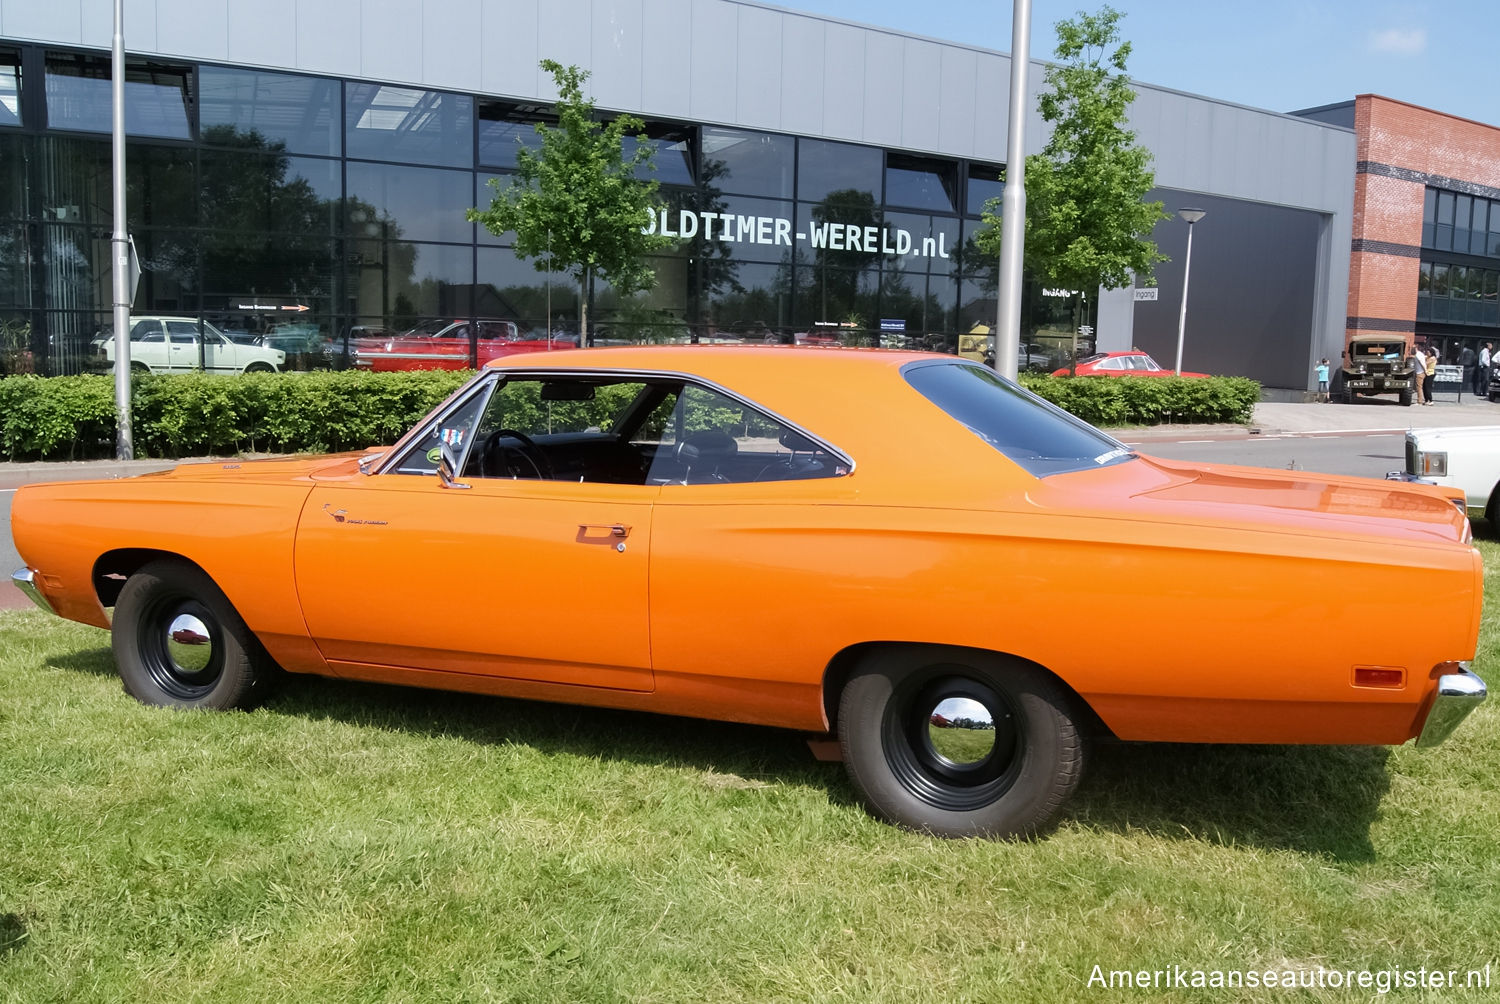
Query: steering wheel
[[497, 453]]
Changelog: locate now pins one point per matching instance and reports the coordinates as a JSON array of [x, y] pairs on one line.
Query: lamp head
[[1192, 215]]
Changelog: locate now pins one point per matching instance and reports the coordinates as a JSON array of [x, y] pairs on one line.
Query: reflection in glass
[[653, 316], [406, 124], [984, 185], [504, 126], [245, 191], [755, 308], [10, 87], [921, 183], [13, 176], [748, 163], [415, 203], [406, 283], [297, 114], [930, 238], [673, 151], [15, 267], [508, 287], [157, 96], [824, 168]]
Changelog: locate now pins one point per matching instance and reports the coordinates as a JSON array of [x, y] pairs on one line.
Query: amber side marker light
[[1379, 676]]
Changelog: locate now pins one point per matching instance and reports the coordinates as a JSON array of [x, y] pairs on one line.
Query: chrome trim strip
[[24, 579], [506, 372], [1457, 695]]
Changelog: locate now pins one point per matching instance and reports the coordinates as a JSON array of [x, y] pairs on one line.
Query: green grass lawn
[[362, 843]]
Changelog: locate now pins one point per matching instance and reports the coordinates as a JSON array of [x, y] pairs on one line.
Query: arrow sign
[[299, 308]]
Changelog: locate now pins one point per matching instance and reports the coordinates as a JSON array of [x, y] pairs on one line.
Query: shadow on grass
[[1313, 799], [97, 661]]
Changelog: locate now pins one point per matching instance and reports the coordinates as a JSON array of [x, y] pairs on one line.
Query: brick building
[[1425, 255]]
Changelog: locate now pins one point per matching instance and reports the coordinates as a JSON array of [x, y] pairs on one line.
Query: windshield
[[1039, 436]]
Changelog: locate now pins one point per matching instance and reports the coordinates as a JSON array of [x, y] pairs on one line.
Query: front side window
[[1038, 436], [608, 429], [453, 428]]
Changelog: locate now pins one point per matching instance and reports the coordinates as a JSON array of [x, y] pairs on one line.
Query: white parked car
[[170, 345], [1465, 457]]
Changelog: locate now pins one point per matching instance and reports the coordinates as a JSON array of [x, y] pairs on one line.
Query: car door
[[148, 345], [528, 578], [182, 351]]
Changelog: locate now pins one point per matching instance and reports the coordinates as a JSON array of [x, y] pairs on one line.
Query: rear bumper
[[1457, 695], [24, 579]]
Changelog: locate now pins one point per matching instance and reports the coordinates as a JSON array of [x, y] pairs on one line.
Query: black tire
[[179, 643], [889, 732], [260, 368], [140, 368], [1405, 399], [1348, 394]]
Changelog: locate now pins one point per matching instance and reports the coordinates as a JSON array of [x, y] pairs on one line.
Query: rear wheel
[[179, 643], [959, 744]]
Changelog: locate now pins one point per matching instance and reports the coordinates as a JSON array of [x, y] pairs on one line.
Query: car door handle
[[615, 529]]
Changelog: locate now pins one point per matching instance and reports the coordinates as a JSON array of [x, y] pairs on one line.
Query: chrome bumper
[[24, 579], [1457, 695]]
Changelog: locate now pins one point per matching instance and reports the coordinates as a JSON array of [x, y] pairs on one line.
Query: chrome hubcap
[[961, 730], [189, 645]]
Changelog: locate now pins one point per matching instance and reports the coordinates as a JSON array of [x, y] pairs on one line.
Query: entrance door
[[532, 580]]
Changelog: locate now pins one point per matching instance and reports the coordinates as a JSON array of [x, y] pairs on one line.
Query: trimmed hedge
[[1113, 401], [194, 414]]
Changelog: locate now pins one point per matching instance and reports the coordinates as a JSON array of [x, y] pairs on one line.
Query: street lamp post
[[1192, 216]]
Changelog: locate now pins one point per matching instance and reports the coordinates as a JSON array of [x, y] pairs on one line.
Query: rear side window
[[1038, 436]]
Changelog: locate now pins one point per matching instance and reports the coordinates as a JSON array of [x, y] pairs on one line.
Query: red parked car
[[447, 348], [1122, 364]]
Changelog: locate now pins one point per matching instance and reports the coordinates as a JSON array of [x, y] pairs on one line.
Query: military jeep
[[1376, 364]]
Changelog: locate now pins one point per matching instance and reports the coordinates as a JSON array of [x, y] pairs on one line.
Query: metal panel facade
[[739, 63]]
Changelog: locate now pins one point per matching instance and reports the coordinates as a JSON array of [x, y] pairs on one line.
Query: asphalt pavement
[[1273, 420]]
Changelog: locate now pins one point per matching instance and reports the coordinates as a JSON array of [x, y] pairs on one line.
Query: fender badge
[[342, 516]]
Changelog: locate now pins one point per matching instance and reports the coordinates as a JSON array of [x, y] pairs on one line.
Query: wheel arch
[[846, 662], [113, 567]]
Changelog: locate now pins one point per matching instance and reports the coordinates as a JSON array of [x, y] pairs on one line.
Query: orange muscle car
[[690, 500]]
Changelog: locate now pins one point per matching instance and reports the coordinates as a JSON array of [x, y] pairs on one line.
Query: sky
[[1273, 54]]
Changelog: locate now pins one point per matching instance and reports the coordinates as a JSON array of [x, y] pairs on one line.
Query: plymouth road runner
[[895, 548]]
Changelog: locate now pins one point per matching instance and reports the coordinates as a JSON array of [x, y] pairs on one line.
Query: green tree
[[579, 204], [1087, 222]]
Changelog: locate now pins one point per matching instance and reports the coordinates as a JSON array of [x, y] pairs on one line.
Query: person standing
[[1418, 364], [1482, 387], [1431, 378], [1467, 359], [1322, 370]]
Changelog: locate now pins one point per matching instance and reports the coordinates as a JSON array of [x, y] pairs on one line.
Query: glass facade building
[[320, 215]]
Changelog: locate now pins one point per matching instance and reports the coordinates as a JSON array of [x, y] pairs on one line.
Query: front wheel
[[1405, 399], [959, 744], [260, 368], [179, 643]]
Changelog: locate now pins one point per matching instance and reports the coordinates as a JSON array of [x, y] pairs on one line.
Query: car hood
[[1156, 490], [279, 470]]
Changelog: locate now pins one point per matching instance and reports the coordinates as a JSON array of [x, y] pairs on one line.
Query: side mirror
[[447, 468]]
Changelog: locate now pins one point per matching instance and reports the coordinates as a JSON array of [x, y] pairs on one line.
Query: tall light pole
[[1192, 216], [120, 251], [1013, 199]]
